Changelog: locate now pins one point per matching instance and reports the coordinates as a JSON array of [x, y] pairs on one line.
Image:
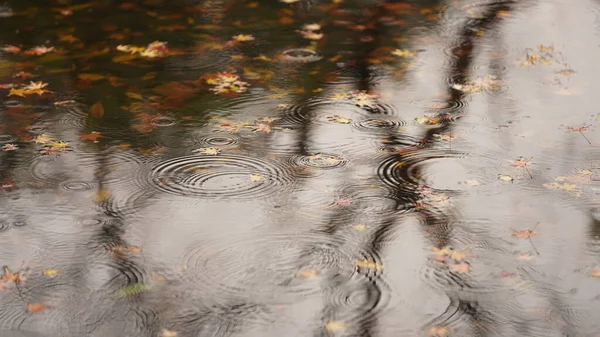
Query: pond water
[[299, 168]]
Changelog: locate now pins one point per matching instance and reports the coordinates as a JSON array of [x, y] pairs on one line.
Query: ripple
[[163, 121], [220, 177], [126, 201], [378, 125], [12, 104], [300, 55], [320, 161], [7, 139], [441, 107], [400, 171], [220, 140], [77, 185], [4, 225], [358, 300], [48, 171], [267, 267]]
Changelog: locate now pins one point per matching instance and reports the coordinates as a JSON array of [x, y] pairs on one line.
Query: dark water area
[[299, 168]]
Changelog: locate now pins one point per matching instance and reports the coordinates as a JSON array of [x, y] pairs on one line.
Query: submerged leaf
[[97, 110], [134, 289]]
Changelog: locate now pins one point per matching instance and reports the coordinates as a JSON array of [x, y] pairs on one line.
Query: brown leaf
[[523, 233], [93, 136], [97, 110], [91, 77]]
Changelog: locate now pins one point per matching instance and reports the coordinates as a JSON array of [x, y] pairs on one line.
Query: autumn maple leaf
[[261, 128], [93, 136]]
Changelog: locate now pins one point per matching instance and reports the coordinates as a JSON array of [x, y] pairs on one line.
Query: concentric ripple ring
[[220, 177]]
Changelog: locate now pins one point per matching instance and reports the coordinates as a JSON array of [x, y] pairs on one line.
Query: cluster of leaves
[[227, 83], [37, 88], [490, 82], [50, 146], [359, 98], [152, 50], [454, 260]]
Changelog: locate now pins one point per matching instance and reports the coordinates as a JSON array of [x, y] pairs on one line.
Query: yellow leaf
[[368, 265], [134, 95], [101, 196], [97, 110], [360, 227], [168, 333], [335, 326], [51, 272], [596, 272]]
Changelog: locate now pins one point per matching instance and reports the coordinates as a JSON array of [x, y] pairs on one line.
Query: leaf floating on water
[[505, 177], [243, 38], [438, 331], [256, 177], [596, 272], [525, 256], [404, 53], [93, 136], [339, 120], [523, 233], [51, 272], [307, 274], [134, 289], [368, 264], [101, 196], [460, 268], [168, 333], [91, 77], [97, 110], [360, 227], [335, 326], [266, 128], [311, 26], [211, 151], [36, 307]]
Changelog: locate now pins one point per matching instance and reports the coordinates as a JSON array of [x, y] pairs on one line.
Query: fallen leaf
[[101, 196], [243, 38], [460, 268], [523, 233], [307, 274], [266, 128], [404, 53], [255, 177], [91, 77], [134, 289], [43, 139], [311, 26], [439, 331], [36, 307], [97, 110], [339, 120], [93, 136], [168, 333], [11, 49], [335, 326], [360, 227], [505, 177], [368, 265], [208, 150], [596, 272], [51, 272]]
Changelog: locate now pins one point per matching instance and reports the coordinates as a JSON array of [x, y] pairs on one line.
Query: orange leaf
[[97, 110], [36, 307]]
